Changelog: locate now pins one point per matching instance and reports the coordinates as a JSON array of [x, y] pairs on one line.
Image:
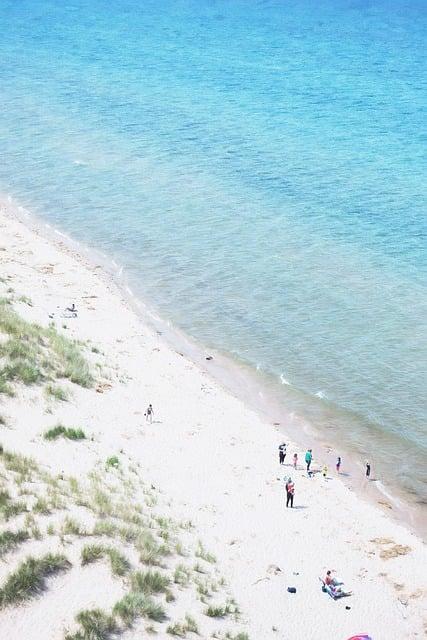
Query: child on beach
[[295, 460], [338, 465]]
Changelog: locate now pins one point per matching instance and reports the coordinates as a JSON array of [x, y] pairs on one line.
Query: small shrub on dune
[[149, 582], [181, 629], [201, 552], [91, 553], [71, 527], [41, 506], [135, 604], [29, 578], [66, 432], [10, 508], [182, 575], [56, 392], [118, 562], [19, 464], [150, 551], [11, 539], [113, 461], [95, 624]]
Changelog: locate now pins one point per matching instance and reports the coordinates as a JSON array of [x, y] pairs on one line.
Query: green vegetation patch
[[10, 508], [29, 578], [11, 539], [64, 432], [95, 624], [32, 354], [93, 552]]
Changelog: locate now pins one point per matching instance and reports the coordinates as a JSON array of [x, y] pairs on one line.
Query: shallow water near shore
[[256, 170]]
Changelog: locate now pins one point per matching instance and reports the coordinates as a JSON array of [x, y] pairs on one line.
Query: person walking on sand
[[308, 459], [324, 471], [338, 464], [149, 414], [368, 469], [282, 453], [290, 490], [295, 460]]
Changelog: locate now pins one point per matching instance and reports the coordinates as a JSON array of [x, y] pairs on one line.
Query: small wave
[[321, 394], [283, 380], [130, 292]]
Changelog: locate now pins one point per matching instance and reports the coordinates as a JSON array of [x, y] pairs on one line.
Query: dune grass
[[150, 551], [29, 578], [10, 508], [180, 629], [32, 354], [19, 464], [11, 539], [92, 552], [149, 582], [95, 624], [65, 432], [56, 392], [136, 604]]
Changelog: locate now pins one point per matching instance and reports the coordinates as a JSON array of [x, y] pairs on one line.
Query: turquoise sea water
[[258, 169]]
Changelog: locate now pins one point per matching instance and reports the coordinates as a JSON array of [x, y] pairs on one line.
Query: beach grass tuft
[[92, 552], [29, 578], [149, 582], [65, 432], [10, 508], [95, 624], [11, 539]]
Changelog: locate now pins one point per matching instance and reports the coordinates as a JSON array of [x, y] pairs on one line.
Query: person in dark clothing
[[368, 469], [282, 453], [290, 490]]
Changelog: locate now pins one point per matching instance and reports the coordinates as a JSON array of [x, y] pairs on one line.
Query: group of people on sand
[[333, 586]]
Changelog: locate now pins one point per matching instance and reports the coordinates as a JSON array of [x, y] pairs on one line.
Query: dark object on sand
[[292, 590], [209, 358]]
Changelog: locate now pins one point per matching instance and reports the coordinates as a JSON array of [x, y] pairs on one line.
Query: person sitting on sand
[[290, 490], [330, 580], [70, 312]]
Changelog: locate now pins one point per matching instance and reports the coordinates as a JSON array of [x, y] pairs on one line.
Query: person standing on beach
[[338, 465], [295, 460], [308, 459], [282, 453], [368, 469], [290, 490], [149, 414]]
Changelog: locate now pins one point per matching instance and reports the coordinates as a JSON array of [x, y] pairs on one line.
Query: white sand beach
[[211, 459]]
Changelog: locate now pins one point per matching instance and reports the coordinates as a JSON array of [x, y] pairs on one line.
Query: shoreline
[[215, 460], [237, 379]]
